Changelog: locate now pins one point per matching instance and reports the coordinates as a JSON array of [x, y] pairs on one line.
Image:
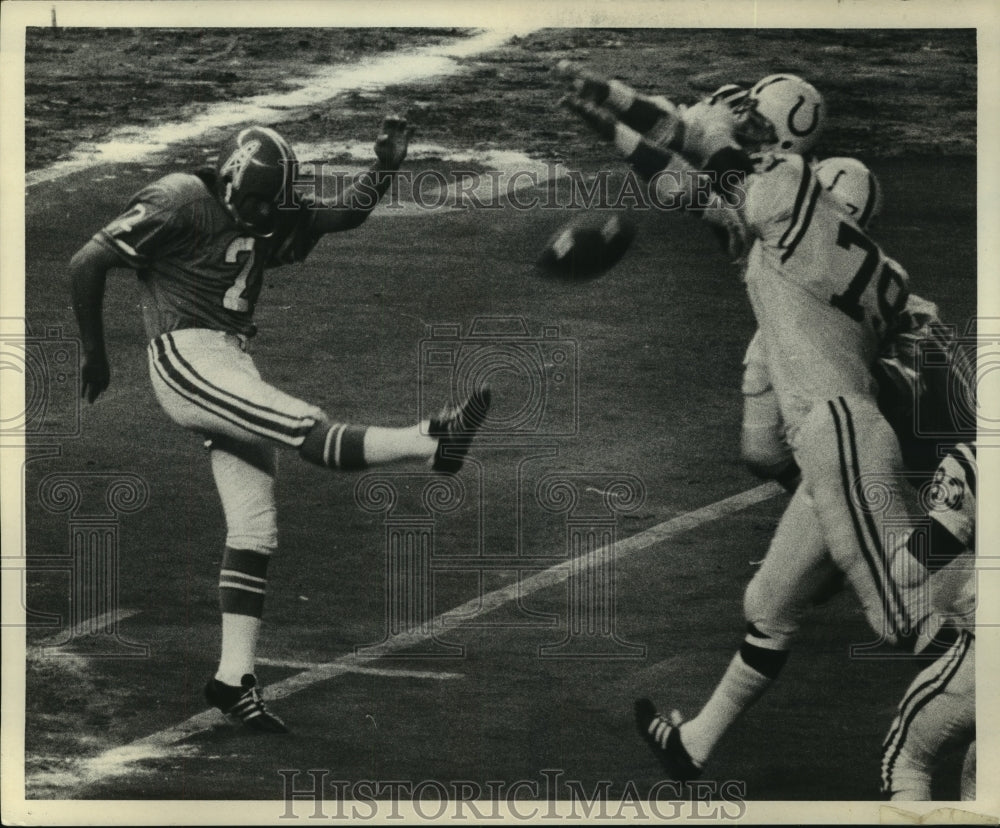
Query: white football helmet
[[853, 186], [782, 113]]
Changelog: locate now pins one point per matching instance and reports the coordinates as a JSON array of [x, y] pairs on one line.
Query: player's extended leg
[[937, 712], [207, 382], [796, 572], [244, 476], [852, 469]]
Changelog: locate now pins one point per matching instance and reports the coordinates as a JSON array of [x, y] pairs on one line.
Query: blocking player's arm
[[88, 270], [703, 143], [640, 112], [358, 200]]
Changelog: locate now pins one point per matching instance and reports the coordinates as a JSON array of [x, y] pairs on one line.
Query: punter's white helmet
[[853, 186], [782, 113]]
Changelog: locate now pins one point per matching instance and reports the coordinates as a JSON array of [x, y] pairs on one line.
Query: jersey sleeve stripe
[[804, 225], [870, 203], [800, 197]]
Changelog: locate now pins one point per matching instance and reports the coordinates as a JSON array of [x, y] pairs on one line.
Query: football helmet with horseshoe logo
[[782, 113]]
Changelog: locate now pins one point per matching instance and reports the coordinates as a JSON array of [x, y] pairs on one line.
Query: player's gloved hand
[[708, 128], [585, 84], [95, 376], [596, 117], [393, 142], [568, 70]]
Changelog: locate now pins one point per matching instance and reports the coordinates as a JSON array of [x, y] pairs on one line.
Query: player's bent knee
[[768, 620], [255, 525]]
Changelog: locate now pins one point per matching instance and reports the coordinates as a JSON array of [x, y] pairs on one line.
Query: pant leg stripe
[[194, 397], [912, 695], [256, 424], [872, 526], [858, 530], [927, 691], [180, 365]]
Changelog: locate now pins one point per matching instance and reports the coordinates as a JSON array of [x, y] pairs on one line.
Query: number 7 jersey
[[824, 294], [197, 268]]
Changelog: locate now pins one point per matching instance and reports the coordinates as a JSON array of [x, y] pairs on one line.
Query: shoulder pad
[[173, 191]]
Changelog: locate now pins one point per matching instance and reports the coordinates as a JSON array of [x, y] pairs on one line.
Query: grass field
[[657, 346]]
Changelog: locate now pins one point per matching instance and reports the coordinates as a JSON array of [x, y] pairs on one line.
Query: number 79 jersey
[[824, 294], [196, 267]]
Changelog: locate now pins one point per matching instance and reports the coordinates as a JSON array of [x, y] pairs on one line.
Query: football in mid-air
[[587, 246]]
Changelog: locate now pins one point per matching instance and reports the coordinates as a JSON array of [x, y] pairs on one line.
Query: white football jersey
[[824, 294]]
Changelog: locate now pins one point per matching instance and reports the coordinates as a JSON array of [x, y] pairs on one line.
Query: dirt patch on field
[[889, 93]]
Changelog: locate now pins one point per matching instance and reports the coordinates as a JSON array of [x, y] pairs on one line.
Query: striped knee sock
[[242, 584], [336, 446]]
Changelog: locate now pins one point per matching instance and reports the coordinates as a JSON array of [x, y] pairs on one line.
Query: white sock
[[239, 647], [387, 445], [740, 687]]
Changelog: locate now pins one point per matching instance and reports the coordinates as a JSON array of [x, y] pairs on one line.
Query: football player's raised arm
[[360, 198], [646, 158], [635, 110], [87, 270]]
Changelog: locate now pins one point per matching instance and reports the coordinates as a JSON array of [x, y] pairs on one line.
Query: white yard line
[[116, 761], [140, 143], [369, 671], [87, 627]]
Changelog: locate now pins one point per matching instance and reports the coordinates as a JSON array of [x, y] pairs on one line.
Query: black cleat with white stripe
[[244, 705], [455, 427], [664, 738]]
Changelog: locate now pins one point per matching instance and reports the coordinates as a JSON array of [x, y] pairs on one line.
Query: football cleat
[[243, 705], [455, 427], [664, 738]]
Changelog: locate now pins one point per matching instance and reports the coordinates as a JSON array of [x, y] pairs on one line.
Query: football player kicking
[[200, 243], [825, 298]]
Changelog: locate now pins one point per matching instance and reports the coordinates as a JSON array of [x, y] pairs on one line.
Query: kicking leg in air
[[208, 384]]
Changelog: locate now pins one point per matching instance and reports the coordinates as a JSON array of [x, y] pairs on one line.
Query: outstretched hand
[[586, 85], [393, 142]]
